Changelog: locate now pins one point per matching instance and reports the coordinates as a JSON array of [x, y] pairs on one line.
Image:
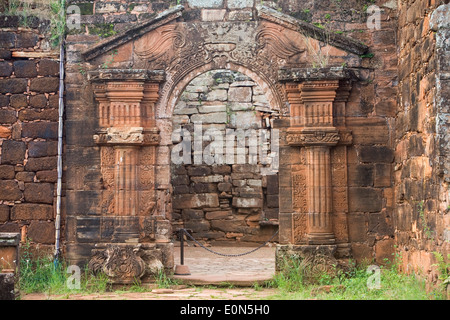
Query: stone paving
[[208, 268]]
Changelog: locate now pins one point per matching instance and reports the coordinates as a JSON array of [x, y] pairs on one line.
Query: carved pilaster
[[126, 102], [320, 227]]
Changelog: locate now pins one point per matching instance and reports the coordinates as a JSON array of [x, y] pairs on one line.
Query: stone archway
[[134, 101]]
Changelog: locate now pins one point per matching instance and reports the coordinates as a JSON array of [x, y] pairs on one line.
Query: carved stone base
[[313, 261], [125, 263]]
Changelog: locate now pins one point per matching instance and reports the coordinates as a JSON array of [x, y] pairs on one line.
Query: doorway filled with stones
[[223, 161]]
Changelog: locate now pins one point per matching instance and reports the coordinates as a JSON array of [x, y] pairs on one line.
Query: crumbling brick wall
[[29, 81]]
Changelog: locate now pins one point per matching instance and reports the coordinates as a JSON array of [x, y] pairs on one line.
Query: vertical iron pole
[[181, 247]]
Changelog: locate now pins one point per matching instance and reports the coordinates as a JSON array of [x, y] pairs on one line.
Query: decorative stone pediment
[[259, 48]]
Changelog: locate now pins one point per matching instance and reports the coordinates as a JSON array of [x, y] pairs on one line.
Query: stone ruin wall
[[390, 165], [29, 80], [421, 176], [370, 157]]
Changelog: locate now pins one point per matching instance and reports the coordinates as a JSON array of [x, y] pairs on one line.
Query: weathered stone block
[[88, 229], [360, 175], [47, 176], [4, 213], [25, 176], [365, 199], [7, 116], [199, 170], [7, 40], [25, 68], [45, 130], [40, 164], [33, 115], [203, 187], [18, 101], [202, 200], [357, 227], [272, 201], [31, 211], [5, 53], [224, 187], [272, 184], [240, 15], [214, 215], [208, 179], [38, 149], [376, 154], [240, 94], [38, 192], [4, 101], [221, 169], [14, 85], [38, 101], [228, 225], [5, 69], [382, 175], [180, 180], [83, 202], [384, 250], [48, 67], [26, 40], [41, 232], [7, 172], [44, 85], [197, 225], [13, 152], [191, 214]]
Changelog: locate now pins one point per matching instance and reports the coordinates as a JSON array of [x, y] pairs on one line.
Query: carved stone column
[[136, 238], [317, 134], [126, 101]]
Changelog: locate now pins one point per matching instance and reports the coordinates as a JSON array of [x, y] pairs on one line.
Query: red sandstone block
[[31, 211]]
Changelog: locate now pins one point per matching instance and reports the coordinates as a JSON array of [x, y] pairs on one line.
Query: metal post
[[181, 269], [182, 246]]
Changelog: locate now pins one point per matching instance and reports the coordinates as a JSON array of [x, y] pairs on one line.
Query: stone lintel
[[300, 136], [310, 74], [127, 136], [127, 74]]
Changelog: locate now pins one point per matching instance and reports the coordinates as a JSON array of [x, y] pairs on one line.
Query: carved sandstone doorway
[[134, 102]]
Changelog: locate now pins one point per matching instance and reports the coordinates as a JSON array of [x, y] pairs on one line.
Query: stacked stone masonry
[[230, 200], [29, 80]]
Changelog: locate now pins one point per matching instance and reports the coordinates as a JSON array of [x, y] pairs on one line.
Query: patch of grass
[[350, 283], [162, 280], [39, 272]]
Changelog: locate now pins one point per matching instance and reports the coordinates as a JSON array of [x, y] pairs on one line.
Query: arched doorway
[[134, 102]]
